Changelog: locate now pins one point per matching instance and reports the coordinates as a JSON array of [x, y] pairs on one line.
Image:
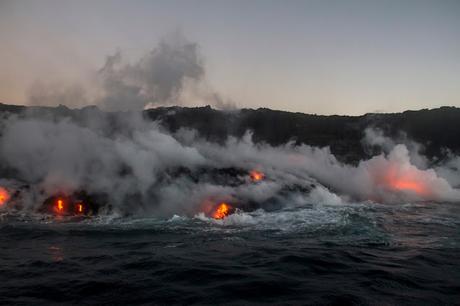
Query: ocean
[[347, 254]]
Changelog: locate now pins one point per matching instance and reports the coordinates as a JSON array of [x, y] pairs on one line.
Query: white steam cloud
[[158, 77], [135, 167], [173, 73]]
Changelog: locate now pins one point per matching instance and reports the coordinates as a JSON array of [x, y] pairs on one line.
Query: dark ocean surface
[[360, 254]]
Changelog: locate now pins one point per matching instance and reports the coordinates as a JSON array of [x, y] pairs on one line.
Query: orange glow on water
[[222, 211], [4, 196], [256, 176]]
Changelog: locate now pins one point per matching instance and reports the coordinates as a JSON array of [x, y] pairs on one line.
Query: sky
[[324, 57]]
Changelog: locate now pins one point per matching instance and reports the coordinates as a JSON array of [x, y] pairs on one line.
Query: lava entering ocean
[[222, 211], [408, 186], [79, 208], [4, 196], [75, 204], [148, 170], [407, 179], [256, 176], [59, 206]]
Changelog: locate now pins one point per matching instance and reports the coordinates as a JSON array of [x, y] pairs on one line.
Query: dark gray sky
[[346, 57]]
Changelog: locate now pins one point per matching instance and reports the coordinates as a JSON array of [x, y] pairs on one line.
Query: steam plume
[[157, 78], [134, 166], [171, 73]]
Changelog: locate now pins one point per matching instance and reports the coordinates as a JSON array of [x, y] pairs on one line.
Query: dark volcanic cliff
[[437, 129]]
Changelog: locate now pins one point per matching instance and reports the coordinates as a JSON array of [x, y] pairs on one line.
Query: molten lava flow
[[222, 211], [256, 176], [60, 206], [409, 186], [4, 196], [79, 208], [405, 181]]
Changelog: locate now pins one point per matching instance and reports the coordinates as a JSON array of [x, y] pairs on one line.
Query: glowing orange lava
[[256, 176], [222, 211], [79, 208], [60, 206], [407, 181], [409, 185], [4, 196]]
